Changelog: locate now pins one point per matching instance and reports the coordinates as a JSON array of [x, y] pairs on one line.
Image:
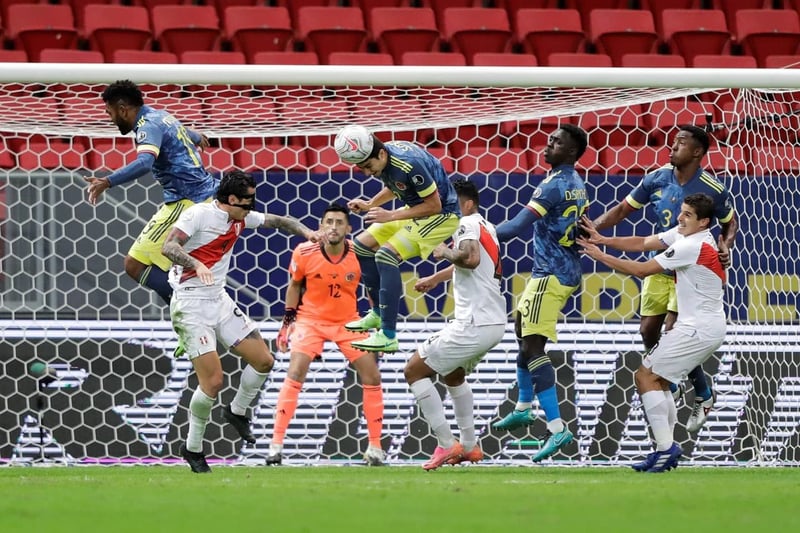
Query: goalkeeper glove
[[286, 329]]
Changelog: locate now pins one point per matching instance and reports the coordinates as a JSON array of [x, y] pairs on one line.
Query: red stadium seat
[[111, 27], [188, 110], [144, 57], [79, 12], [182, 28], [368, 5], [197, 57], [723, 61], [513, 7], [589, 161], [35, 27], [657, 7], [13, 56], [776, 160], [110, 154], [782, 61], [547, 31], [331, 29], [472, 30], [565, 59], [653, 61], [39, 152], [258, 155], [82, 110], [223, 5], [360, 58], [243, 111], [217, 159], [294, 6], [490, 59], [434, 59], [689, 32], [5, 4], [638, 160], [310, 111], [585, 8], [322, 158], [60, 55], [730, 159], [477, 160], [764, 33], [623, 31], [439, 7], [730, 7], [285, 58], [258, 29], [665, 116], [404, 29], [7, 160], [619, 126]]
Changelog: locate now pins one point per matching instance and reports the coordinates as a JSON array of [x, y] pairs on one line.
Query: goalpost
[[119, 396]]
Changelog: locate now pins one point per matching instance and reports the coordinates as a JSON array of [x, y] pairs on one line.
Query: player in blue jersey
[[430, 215], [554, 210], [170, 151], [664, 189]]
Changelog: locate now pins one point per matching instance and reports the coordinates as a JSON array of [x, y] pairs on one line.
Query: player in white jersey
[[200, 246], [479, 324], [691, 251]]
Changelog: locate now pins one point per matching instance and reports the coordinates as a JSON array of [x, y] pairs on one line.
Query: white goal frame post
[[136, 408]]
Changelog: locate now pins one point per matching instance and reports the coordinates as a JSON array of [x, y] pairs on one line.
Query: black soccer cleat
[[197, 461], [274, 459], [240, 423]]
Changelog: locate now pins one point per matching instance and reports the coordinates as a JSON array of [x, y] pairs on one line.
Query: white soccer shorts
[[459, 345], [680, 350]]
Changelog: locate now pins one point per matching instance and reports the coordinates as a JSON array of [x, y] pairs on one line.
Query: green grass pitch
[[398, 499]]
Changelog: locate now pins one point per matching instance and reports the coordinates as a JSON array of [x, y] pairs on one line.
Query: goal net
[[119, 396]]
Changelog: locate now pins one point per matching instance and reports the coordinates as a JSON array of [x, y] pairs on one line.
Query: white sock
[[249, 386], [430, 404], [465, 418], [199, 413], [672, 417], [655, 405], [521, 406], [275, 448], [555, 425]]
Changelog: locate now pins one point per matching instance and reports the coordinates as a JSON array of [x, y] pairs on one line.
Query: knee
[[133, 268], [650, 334], [264, 363], [386, 256], [371, 378], [212, 385]]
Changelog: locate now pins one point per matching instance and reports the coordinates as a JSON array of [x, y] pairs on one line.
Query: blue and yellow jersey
[[560, 201], [178, 167], [412, 174], [662, 191]]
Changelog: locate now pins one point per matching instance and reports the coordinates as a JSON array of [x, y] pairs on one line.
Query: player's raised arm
[[293, 226]]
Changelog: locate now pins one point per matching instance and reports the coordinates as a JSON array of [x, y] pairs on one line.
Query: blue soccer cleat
[[666, 460], [554, 443], [515, 419]]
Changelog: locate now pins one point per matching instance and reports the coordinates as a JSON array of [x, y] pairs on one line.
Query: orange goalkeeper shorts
[[309, 338]]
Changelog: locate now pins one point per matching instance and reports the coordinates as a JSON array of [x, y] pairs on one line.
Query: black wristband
[[290, 315]]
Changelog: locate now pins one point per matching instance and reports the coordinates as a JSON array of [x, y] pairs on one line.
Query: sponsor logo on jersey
[[141, 136], [417, 180]]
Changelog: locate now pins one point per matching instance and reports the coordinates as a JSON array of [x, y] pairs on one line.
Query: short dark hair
[[123, 91], [579, 137], [377, 146], [234, 182], [337, 208], [466, 189], [702, 204], [699, 135]]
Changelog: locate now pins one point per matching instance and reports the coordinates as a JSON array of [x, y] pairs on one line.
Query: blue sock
[[673, 387], [543, 377], [391, 289], [369, 273], [156, 279], [524, 381], [701, 388]]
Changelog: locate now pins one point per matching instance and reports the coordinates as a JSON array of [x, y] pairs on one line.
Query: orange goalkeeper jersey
[[331, 285]]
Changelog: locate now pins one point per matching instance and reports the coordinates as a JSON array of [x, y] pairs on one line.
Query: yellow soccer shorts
[[540, 304], [147, 247], [415, 237], [658, 295]]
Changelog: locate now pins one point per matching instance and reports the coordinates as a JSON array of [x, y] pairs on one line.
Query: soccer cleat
[[377, 342], [274, 459], [700, 412], [553, 443], [240, 423], [666, 460], [371, 320], [374, 456], [679, 393], [515, 419], [443, 455], [197, 461], [647, 464], [473, 456]]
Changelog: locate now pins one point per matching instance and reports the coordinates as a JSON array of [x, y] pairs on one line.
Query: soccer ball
[[353, 144]]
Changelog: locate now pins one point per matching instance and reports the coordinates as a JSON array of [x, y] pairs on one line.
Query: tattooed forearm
[[288, 224], [173, 249]]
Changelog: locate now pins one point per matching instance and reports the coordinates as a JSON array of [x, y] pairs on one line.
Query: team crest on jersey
[[203, 340], [669, 253], [400, 185], [461, 230], [417, 180], [350, 276], [141, 136]]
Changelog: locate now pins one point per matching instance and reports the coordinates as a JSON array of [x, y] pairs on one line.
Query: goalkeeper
[[170, 151], [330, 274], [411, 174]]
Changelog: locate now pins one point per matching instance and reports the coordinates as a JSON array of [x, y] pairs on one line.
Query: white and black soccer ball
[[353, 144]]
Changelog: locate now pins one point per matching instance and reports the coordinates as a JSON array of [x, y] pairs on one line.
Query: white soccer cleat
[[374, 456], [700, 412], [679, 394]]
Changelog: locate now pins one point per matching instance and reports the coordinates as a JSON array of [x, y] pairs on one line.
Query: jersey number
[[333, 290], [569, 235], [187, 142]]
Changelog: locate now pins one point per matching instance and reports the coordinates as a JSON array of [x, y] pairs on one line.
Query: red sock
[[373, 412], [284, 411]]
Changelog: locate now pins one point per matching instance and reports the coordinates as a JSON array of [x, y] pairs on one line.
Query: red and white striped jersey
[[699, 277], [211, 237], [477, 291]]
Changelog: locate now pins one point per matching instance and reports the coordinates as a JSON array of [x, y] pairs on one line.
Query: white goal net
[[119, 397]]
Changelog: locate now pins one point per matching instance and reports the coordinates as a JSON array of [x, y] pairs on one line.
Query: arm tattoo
[[173, 249], [287, 224]]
